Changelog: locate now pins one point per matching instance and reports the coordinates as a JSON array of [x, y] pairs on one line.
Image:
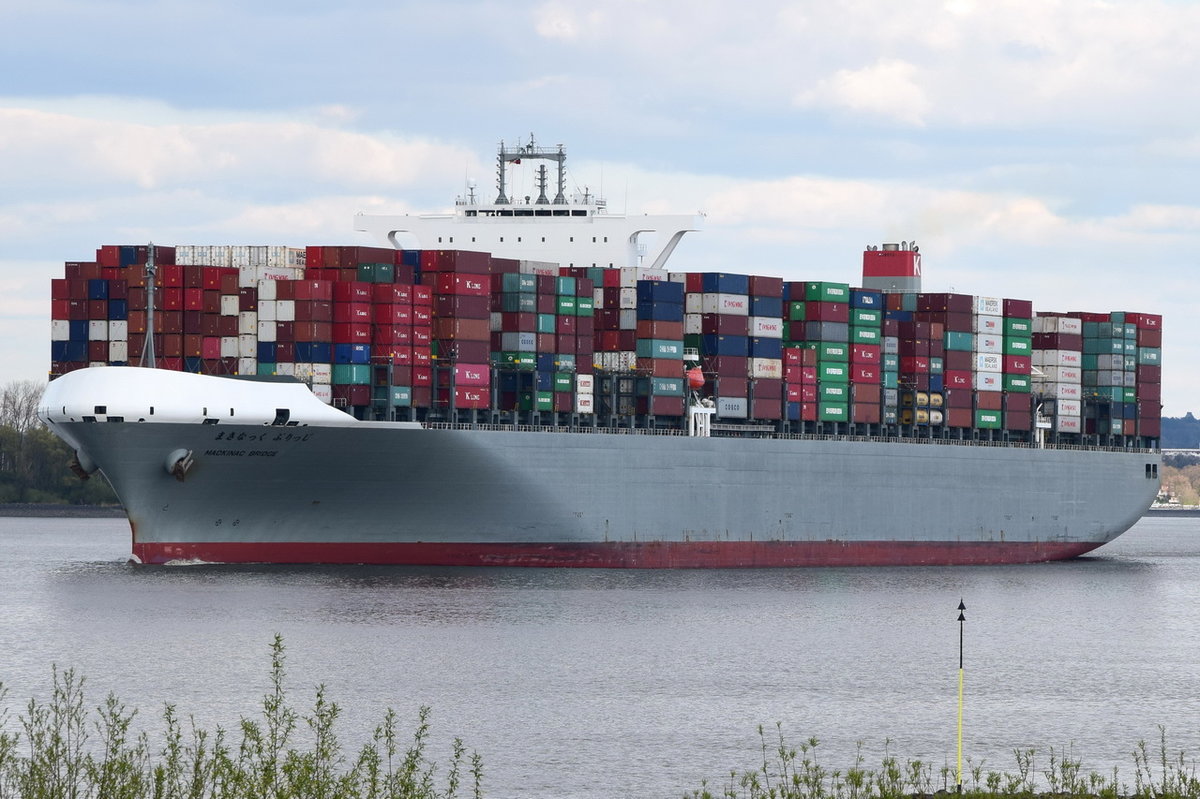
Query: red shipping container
[[866, 393], [1144, 321], [512, 322], [312, 290], [1017, 365], [402, 356], [826, 311], [1151, 428], [422, 396], [793, 356], [193, 299], [344, 333], [463, 261], [958, 360], [914, 365], [808, 375], [959, 417], [957, 380], [766, 388], [860, 373], [422, 376], [1149, 337], [285, 352], [566, 325], [60, 309], [793, 392], [771, 409], [312, 331], [319, 311], [354, 291], [947, 303], [352, 312], [97, 309], [392, 335], [392, 294], [660, 406], [393, 315], [712, 324], [732, 366], [865, 353], [472, 285]]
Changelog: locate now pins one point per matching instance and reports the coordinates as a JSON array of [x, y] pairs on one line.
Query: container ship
[[522, 382]]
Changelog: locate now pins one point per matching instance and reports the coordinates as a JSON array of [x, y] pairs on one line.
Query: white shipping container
[[1106, 361], [322, 392], [538, 268], [1130, 380], [598, 297], [303, 371], [285, 368], [1058, 324], [1059, 374], [693, 302], [60, 330], [118, 330], [989, 306], [285, 310], [989, 324], [248, 323], [626, 298], [989, 343], [732, 408], [585, 403], [693, 323], [266, 331], [266, 291], [1072, 358], [247, 366], [118, 352], [585, 384], [229, 346], [766, 327], [627, 319], [518, 342], [247, 346], [891, 345], [97, 330], [630, 275], [622, 361], [230, 305], [1063, 391], [1068, 424], [731, 304], [989, 381], [1068, 408], [988, 362], [766, 368], [322, 373]]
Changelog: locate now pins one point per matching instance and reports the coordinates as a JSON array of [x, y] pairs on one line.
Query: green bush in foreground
[[57, 752], [794, 773]]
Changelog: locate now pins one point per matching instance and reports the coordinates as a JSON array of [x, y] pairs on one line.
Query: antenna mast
[[531, 150], [148, 347]]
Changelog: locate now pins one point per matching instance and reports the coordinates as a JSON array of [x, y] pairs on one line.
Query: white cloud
[[889, 88]]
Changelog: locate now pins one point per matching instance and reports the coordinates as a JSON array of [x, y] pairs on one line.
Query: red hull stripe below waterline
[[628, 555]]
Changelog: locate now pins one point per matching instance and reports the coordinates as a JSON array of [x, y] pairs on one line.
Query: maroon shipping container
[[826, 312], [647, 328], [946, 303], [1058, 341], [354, 291], [422, 396], [914, 348], [1149, 391], [464, 350], [765, 388], [723, 324], [1149, 337], [471, 285], [769, 409], [914, 365], [351, 395], [1018, 309], [761, 286], [989, 400], [660, 406], [247, 298], [391, 294], [465, 306], [511, 322], [566, 325], [422, 316], [1018, 403], [1149, 374], [865, 414], [959, 417], [392, 315], [343, 333], [865, 393], [733, 366], [321, 331], [1144, 321], [727, 386], [861, 373], [320, 311], [1017, 365], [1152, 428], [661, 367], [865, 353]]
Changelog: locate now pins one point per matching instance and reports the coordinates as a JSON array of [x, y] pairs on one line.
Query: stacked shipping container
[[376, 330]]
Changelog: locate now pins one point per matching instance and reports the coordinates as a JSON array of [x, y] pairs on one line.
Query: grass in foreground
[[793, 773], [58, 750]]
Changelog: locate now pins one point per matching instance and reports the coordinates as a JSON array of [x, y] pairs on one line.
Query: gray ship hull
[[406, 494]]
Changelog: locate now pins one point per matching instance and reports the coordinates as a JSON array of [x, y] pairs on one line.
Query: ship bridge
[[570, 231]]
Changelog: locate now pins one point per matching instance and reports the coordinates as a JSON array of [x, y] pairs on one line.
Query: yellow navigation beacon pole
[[961, 618]]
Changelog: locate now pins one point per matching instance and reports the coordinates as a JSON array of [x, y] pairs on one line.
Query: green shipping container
[[565, 361], [796, 311], [862, 317], [891, 363], [832, 372], [960, 342], [1018, 345], [1128, 394], [523, 302], [833, 411], [820, 291], [987, 420], [565, 286], [937, 366], [513, 283], [1018, 327], [265, 369], [661, 387], [829, 350], [401, 396], [565, 306], [536, 401], [352, 374], [518, 360], [833, 392], [546, 323], [585, 306], [1149, 356], [865, 335], [564, 381], [1104, 346], [890, 379], [1118, 317], [660, 348], [1018, 384]]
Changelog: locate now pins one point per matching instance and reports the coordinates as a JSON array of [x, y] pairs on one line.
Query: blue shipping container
[[660, 311], [118, 310], [97, 289], [351, 353], [723, 283], [266, 352], [659, 291], [68, 350], [866, 298], [725, 345], [766, 306], [766, 348]]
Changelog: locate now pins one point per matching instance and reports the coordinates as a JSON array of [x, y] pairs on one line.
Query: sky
[[1046, 150]]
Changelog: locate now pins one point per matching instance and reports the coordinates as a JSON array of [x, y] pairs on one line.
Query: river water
[[581, 683]]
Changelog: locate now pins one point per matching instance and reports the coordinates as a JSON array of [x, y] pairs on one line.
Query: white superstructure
[[576, 231]]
